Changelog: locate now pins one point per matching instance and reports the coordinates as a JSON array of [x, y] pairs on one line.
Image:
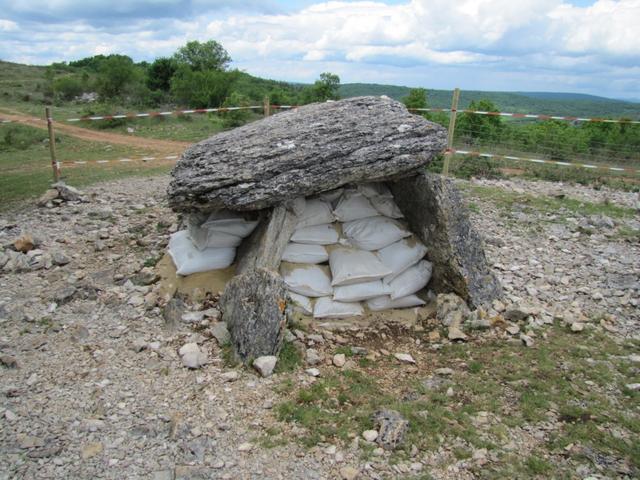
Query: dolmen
[[327, 210]]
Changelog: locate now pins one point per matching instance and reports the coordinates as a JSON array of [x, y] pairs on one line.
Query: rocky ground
[[93, 385]]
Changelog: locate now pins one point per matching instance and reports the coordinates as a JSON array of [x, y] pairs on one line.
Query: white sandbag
[[385, 303], [188, 259], [360, 291], [297, 205], [374, 233], [316, 235], [316, 212], [301, 303], [303, 253], [327, 308], [309, 280], [204, 238], [401, 255], [225, 221], [349, 266], [332, 196], [353, 206], [386, 206], [410, 281], [374, 189]]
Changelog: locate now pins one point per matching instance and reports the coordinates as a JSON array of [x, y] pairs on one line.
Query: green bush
[[19, 137], [235, 118], [67, 88]]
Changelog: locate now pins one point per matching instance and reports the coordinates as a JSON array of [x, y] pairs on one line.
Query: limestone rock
[[392, 428], [436, 214], [302, 152], [265, 365], [192, 355], [253, 305]]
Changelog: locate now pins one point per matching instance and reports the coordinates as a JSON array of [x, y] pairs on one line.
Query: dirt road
[[149, 144]]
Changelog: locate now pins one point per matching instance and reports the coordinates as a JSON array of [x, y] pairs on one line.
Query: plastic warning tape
[[161, 114], [2, 120], [540, 160], [119, 160], [534, 116]]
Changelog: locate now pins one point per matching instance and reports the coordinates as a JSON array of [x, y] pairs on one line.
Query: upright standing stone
[[253, 305], [436, 214]]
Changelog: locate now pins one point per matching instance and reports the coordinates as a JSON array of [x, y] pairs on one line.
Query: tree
[[160, 73], [323, 89], [482, 127], [235, 118], [203, 89], [67, 88], [203, 56], [115, 74], [417, 98]]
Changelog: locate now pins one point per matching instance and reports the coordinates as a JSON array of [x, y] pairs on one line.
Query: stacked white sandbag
[[209, 243], [373, 257]]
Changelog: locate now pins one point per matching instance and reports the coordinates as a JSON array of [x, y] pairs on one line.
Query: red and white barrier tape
[[119, 160], [529, 115], [161, 114], [540, 160]]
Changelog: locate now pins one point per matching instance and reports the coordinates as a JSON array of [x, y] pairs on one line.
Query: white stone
[[370, 435], [265, 365], [314, 372], [404, 357], [339, 359]]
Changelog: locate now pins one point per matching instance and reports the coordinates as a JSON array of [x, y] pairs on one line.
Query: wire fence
[[604, 145]]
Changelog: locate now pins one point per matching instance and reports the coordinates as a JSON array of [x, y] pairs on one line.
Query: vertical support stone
[[435, 212], [253, 303]]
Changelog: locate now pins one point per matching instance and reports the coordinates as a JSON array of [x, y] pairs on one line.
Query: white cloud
[[528, 41], [8, 26]]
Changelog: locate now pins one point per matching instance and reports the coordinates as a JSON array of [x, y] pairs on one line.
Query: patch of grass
[[578, 379], [152, 261], [562, 207], [289, 358], [229, 356], [26, 172], [537, 466]]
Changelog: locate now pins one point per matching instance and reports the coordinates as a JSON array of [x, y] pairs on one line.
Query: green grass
[[579, 378], [289, 358], [562, 207], [26, 165]]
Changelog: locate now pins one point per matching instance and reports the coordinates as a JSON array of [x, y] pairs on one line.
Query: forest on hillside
[[197, 75]]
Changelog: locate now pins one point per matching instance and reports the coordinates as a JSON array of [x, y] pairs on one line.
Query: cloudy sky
[[587, 46]]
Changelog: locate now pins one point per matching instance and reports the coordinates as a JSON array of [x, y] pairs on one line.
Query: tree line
[[197, 75], [553, 139]]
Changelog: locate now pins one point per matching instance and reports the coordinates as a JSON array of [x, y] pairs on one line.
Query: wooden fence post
[[452, 127], [267, 106], [52, 145]]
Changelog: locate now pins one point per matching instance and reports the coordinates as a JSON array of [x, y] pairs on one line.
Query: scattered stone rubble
[[94, 384]]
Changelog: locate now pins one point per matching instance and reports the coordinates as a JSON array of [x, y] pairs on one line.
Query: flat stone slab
[[302, 152]]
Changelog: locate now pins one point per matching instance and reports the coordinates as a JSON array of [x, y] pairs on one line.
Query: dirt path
[[149, 144]]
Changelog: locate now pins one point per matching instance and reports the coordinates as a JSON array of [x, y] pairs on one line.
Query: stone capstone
[[436, 214], [302, 152]]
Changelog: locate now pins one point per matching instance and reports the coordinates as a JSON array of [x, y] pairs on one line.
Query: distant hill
[[549, 103]]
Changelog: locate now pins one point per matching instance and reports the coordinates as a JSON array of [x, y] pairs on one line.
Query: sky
[[584, 46]]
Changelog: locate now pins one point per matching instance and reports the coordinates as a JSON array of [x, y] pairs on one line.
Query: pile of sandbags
[[209, 242], [373, 259]]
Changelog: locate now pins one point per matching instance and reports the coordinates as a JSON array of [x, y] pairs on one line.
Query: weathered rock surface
[[265, 246], [253, 305], [436, 214], [301, 152]]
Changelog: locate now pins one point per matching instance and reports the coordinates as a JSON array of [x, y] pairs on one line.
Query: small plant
[[289, 359]]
